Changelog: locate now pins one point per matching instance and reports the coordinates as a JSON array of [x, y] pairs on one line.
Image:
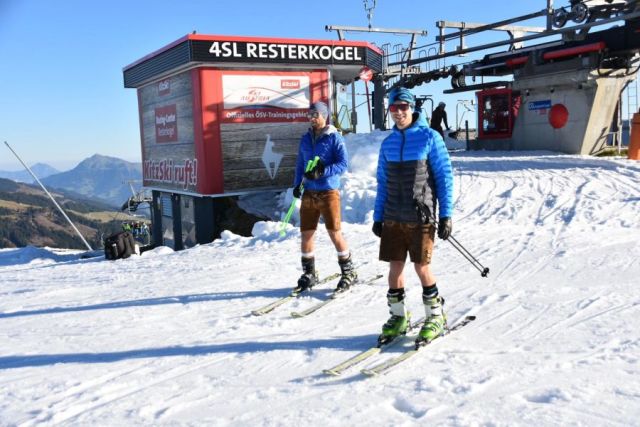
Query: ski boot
[[399, 322], [309, 276], [435, 324], [395, 326], [349, 276]]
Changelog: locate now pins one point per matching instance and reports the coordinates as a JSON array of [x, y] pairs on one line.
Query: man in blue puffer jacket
[[414, 176], [321, 196]]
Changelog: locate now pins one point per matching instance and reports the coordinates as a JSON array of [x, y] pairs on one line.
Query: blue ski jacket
[[330, 147], [414, 175]]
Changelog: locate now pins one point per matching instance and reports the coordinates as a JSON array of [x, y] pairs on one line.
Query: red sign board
[[166, 124]]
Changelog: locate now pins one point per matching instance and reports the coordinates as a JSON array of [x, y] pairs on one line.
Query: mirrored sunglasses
[[399, 107]]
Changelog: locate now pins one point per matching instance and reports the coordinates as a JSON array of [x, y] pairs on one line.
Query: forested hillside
[[28, 217]]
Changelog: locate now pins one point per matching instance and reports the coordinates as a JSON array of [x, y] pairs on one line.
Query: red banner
[[166, 124]]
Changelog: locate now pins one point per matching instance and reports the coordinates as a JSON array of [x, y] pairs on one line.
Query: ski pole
[[310, 165], [484, 271]]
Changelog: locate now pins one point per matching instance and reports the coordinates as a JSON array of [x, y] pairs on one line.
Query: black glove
[[377, 228], [316, 172], [297, 191], [444, 228]]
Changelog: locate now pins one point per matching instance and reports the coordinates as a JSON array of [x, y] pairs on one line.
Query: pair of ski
[[387, 365], [295, 294], [332, 297]]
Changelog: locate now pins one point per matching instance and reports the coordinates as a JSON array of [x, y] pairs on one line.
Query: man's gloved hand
[[377, 228], [444, 228], [297, 191], [316, 172]]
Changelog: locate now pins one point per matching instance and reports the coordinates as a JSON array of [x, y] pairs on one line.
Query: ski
[[363, 355], [388, 364], [293, 294], [332, 297]]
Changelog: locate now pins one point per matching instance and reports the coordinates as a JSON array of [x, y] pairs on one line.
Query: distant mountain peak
[[99, 159], [41, 170], [99, 176]]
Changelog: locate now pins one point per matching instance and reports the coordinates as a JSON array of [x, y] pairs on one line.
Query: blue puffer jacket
[[414, 175], [329, 146]]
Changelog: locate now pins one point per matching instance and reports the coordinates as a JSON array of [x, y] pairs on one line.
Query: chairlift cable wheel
[[560, 17], [580, 13]]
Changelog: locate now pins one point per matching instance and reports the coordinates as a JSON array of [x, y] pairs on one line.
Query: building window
[[167, 208]]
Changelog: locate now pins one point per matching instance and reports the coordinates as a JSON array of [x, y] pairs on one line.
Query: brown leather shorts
[[316, 203], [399, 238]]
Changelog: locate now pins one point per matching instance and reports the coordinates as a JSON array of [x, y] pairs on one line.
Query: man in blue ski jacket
[[321, 195], [414, 178]]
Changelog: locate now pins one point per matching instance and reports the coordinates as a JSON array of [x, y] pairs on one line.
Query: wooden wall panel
[[243, 148], [158, 157]]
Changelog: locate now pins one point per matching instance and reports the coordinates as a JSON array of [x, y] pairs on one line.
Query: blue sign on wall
[[540, 105]]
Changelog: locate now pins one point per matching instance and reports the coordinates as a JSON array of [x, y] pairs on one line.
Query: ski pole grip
[[312, 164]]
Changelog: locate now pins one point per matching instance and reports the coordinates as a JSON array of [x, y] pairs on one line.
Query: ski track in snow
[[167, 338]]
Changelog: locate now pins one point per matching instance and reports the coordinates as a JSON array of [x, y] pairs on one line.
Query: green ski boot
[[400, 318], [435, 324]]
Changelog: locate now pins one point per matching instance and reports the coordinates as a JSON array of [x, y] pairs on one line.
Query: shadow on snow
[[342, 343], [180, 299]]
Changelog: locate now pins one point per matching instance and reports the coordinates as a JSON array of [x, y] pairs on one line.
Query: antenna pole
[[49, 194], [369, 9]]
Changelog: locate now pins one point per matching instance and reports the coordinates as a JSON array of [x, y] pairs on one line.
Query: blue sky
[[61, 69]]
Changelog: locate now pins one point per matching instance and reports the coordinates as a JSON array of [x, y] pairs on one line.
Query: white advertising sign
[[285, 92]]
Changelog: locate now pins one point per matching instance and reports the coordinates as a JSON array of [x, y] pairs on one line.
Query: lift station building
[[223, 115]]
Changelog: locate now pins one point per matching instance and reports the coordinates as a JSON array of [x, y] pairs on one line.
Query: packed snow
[[167, 338]]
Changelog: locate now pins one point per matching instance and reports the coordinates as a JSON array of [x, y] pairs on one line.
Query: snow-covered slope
[[167, 338]]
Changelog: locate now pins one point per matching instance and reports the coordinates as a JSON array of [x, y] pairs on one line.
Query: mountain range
[[98, 177]]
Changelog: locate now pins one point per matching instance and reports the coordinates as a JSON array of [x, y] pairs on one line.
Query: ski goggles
[[399, 107]]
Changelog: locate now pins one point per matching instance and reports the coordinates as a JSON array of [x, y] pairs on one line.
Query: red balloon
[[558, 116]]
